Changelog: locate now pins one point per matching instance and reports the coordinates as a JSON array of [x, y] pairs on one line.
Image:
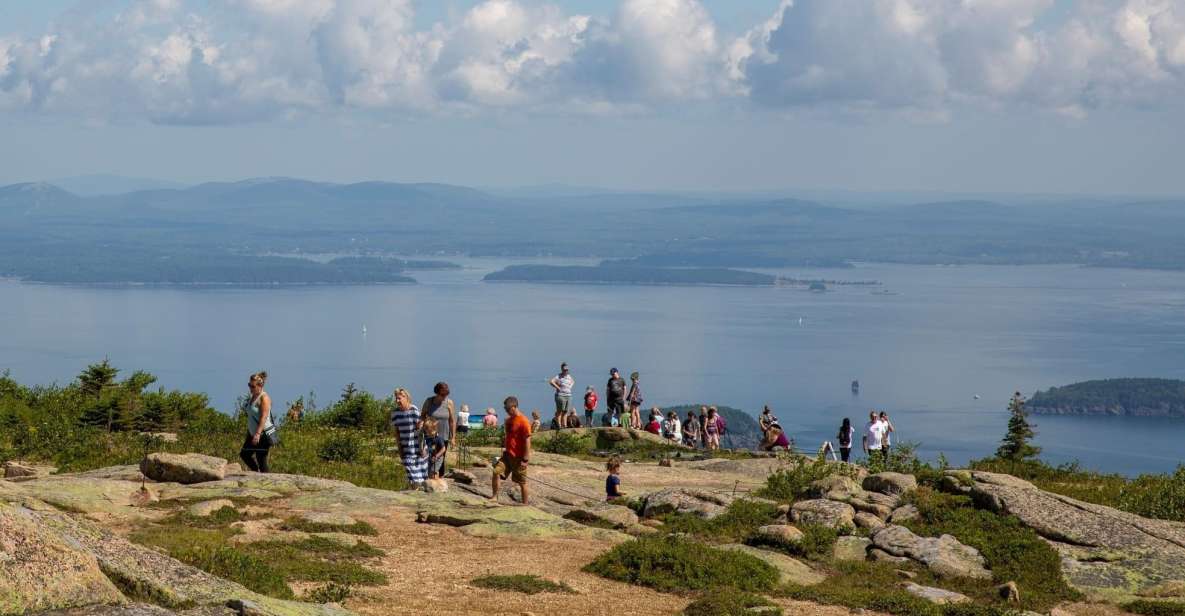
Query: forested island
[[607, 274], [1116, 397]]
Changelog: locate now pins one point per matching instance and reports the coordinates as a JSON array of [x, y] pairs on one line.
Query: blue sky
[[1046, 96]]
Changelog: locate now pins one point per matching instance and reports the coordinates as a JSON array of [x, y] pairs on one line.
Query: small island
[[1113, 397], [612, 274]]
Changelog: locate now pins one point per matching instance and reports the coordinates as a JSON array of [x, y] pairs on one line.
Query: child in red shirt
[[590, 405]]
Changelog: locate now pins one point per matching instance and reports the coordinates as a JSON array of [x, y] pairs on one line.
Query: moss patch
[[358, 528], [730, 602]]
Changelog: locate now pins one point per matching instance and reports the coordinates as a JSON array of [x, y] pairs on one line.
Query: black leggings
[[845, 453], [255, 456]]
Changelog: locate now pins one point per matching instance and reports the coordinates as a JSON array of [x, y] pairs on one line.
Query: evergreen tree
[[97, 378], [1015, 446]]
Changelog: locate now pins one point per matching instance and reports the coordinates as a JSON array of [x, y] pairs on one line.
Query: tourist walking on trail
[[516, 450], [405, 421], [440, 408], [261, 430], [634, 399], [884, 419], [846, 435], [712, 430], [562, 383], [874, 436], [691, 430], [614, 397], [590, 405]]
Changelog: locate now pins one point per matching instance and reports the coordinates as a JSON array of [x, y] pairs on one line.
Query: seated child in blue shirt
[[613, 482]]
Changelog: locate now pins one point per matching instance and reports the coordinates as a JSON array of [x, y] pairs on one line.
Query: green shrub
[[358, 528], [355, 409], [789, 485], [729, 602], [567, 443], [903, 459], [671, 564], [818, 541], [341, 447], [528, 584], [238, 566], [1156, 496], [736, 523], [484, 437], [1155, 608], [1013, 551], [327, 593]]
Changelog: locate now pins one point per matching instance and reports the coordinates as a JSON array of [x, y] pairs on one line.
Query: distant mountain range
[[160, 233]]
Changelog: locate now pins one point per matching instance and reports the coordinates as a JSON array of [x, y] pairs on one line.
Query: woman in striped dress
[[405, 420]]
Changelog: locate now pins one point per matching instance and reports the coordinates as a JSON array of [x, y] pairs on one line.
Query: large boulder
[[851, 549], [701, 503], [945, 556], [936, 596], [185, 468], [904, 514], [868, 521], [831, 514], [39, 570], [837, 488], [1107, 554], [890, 483], [780, 534]]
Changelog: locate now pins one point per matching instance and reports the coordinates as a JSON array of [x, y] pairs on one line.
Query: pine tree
[[1015, 446], [97, 378]]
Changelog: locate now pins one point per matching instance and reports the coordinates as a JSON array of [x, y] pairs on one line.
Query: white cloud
[[240, 60]]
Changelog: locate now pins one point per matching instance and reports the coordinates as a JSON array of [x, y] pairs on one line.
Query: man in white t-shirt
[[874, 437]]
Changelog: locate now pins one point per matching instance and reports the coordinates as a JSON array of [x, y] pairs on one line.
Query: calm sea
[[924, 351]]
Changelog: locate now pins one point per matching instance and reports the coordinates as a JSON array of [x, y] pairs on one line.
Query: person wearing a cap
[[614, 397], [563, 383]]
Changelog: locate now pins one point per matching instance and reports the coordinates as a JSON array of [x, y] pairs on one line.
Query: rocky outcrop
[[894, 484], [851, 548], [831, 514], [1106, 553], [701, 503], [868, 521], [15, 469], [614, 516], [779, 534], [183, 468], [945, 556]]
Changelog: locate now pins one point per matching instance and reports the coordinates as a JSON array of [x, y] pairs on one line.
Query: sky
[[1023, 96]]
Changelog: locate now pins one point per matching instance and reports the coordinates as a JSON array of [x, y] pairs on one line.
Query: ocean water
[[923, 346]]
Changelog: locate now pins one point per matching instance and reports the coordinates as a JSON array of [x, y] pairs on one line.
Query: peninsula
[[1134, 397]]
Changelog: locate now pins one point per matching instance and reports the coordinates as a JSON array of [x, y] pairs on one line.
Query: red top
[[590, 401], [654, 427], [518, 430]]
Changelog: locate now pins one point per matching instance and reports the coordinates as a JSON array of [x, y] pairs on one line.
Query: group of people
[[425, 434]]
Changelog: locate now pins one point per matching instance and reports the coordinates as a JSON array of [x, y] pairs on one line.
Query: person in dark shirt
[[614, 396], [613, 481], [435, 447]]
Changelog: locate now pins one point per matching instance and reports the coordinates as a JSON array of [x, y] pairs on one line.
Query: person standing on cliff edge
[[614, 397], [563, 383]]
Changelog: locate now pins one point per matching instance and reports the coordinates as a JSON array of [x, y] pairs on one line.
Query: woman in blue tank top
[[261, 431]]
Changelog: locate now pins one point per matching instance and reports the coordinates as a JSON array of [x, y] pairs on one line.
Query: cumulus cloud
[[226, 61]]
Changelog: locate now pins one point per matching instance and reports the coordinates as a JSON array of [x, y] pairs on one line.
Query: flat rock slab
[[937, 596], [205, 509], [615, 515], [40, 570], [482, 518], [1106, 553], [89, 495], [184, 468], [945, 556], [853, 549], [790, 569], [325, 518]]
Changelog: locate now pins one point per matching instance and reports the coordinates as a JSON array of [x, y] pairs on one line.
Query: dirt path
[[430, 567]]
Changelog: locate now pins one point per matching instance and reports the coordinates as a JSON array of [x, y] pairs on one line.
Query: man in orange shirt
[[516, 449]]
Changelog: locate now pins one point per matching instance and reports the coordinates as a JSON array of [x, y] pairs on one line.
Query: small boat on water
[[855, 387]]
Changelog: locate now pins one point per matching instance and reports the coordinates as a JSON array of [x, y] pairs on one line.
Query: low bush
[[1155, 608], [1156, 496], [358, 528], [342, 447], [671, 564], [730, 602], [736, 524], [567, 443], [238, 566], [527, 584], [789, 485], [327, 593]]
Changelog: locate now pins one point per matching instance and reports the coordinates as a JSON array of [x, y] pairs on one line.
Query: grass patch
[[729, 602], [1155, 608], [1014, 552], [527, 584], [327, 593], [672, 564], [736, 524], [358, 528], [318, 560]]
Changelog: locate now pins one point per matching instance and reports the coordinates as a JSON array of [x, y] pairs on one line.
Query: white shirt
[[888, 432], [463, 418], [875, 432], [564, 384]]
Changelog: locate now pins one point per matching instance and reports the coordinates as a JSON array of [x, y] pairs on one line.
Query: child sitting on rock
[[613, 481]]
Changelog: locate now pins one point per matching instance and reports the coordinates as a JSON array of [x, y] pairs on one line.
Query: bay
[[922, 351]]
